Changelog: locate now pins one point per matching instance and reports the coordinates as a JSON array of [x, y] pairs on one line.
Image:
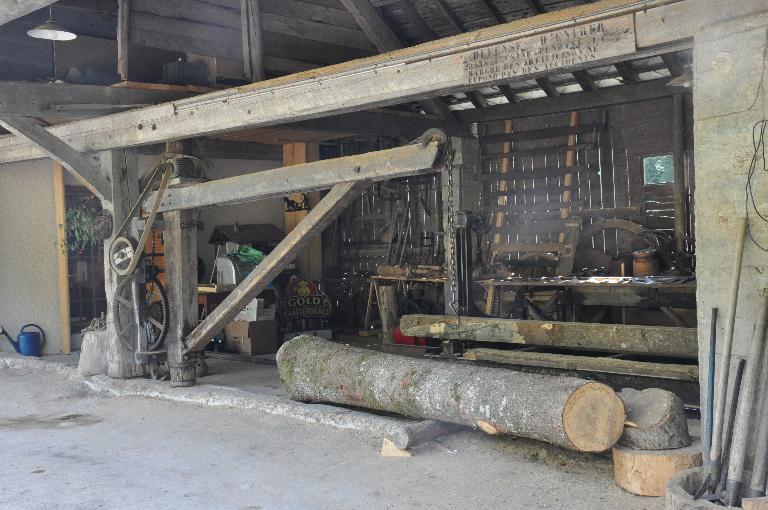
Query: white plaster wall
[[28, 266]]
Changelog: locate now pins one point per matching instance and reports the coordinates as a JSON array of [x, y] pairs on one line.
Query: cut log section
[[417, 433], [754, 503], [566, 411], [666, 341], [646, 473], [655, 420]]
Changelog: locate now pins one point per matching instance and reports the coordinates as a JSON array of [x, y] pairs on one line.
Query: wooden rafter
[[548, 87], [585, 80], [536, 6], [627, 72], [673, 64], [494, 11], [253, 44]]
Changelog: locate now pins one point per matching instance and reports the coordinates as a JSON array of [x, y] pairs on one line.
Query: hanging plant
[[86, 226]]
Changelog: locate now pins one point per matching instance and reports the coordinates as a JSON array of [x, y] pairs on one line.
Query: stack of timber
[[613, 338], [655, 445], [565, 411]]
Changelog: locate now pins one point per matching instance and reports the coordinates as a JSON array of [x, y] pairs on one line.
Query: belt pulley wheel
[[122, 250], [154, 312]]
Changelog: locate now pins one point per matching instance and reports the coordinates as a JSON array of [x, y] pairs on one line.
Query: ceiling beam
[[441, 67], [586, 82], [509, 93], [570, 102], [627, 72], [253, 43], [381, 35], [673, 64], [535, 6], [79, 164], [13, 9], [548, 87], [494, 11], [449, 16], [414, 17]]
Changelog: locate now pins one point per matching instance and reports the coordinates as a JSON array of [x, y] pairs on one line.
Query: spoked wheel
[[121, 253], [153, 310]]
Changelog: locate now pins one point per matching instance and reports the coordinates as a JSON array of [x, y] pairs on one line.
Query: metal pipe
[[710, 383], [726, 348], [741, 429], [728, 432]]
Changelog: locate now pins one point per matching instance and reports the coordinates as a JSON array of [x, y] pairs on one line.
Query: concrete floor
[[65, 447]]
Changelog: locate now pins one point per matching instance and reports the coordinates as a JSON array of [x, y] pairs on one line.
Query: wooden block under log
[[667, 341], [569, 412], [755, 503], [646, 472]]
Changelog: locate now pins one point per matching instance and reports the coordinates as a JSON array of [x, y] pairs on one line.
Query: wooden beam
[[570, 102], [375, 166], [627, 72], [340, 196], [309, 262], [606, 365], [253, 47], [123, 36], [11, 10], [508, 93], [81, 166], [585, 80], [494, 11], [64, 100], [673, 64], [62, 260], [548, 87], [448, 15], [450, 65], [535, 6], [678, 342], [414, 17]]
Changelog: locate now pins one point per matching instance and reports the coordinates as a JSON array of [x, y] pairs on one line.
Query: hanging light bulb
[[51, 30]]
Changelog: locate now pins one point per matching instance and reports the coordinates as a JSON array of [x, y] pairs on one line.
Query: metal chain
[[451, 255]]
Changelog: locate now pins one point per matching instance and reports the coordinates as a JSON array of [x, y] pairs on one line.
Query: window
[[658, 169]]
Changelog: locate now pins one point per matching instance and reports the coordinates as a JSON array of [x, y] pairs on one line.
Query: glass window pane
[[658, 169]]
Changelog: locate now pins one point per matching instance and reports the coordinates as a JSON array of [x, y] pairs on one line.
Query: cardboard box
[[252, 338], [257, 310]]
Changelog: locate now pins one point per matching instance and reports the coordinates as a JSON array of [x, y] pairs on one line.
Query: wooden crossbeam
[[85, 169], [659, 340], [333, 204], [585, 80]]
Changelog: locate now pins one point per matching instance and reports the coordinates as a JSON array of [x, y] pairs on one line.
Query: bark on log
[[655, 420], [565, 411], [414, 434]]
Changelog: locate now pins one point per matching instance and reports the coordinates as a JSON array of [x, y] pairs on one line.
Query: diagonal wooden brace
[[86, 171], [340, 196]]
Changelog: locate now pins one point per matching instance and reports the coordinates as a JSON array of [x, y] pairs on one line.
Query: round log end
[[593, 418], [647, 472]]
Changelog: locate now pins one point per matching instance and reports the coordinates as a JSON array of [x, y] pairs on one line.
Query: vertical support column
[[309, 262], [180, 236], [122, 168], [386, 296], [123, 36], [678, 158], [59, 195], [466, 188], [253, 48]]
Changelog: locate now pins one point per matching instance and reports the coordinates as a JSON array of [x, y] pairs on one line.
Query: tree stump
[[647, 472], [655, 420], [566, 411]]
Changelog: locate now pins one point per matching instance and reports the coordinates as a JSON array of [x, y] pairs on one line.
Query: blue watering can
[[28, 343]]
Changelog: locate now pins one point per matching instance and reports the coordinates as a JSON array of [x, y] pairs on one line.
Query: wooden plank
[[541, 133], [542, 206], [123, 31], [452, 64], [319, 32], [569, 237], [372, 25], [318, 218], [678, 157], [375, 166], [532, 227], [10, 11], [536, 173], [253, 45], [677, 372], [499, 219], [678, 342], [386, 297], [529, 247], [309, 10], [80, 165], [309, 262], [62, 261]]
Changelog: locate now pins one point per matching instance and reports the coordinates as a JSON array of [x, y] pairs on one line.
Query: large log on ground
[[565, 411], [655, 420], [647, 473], [659, 340]]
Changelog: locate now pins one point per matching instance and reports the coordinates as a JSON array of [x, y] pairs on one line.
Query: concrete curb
[[216, 396]]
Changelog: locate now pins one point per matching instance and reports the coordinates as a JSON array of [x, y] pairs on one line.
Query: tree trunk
[[647, 473], [414, 434], [565, 411], [655, 420]]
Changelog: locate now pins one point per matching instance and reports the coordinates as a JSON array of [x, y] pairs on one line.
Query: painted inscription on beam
[[551, 52]]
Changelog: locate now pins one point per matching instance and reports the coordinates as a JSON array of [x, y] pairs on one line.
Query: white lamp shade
[[52, 32]]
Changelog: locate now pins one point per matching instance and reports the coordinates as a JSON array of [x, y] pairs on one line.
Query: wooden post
[[309, 262], [678, 158], [123, 36], [121, 165], [253, 48], [59, 196], [181, 276], [386, 295]]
